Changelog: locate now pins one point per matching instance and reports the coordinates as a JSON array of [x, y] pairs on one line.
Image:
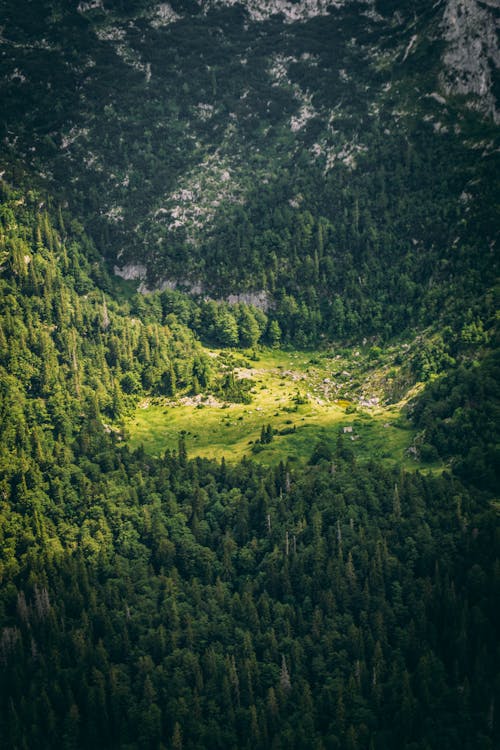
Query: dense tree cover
[[169, 603], [460, 417], [149, 603], [370, 251], [197, 605], [65, 341], [386, 228]]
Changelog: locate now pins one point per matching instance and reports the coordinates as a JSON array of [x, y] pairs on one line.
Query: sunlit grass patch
[[292, 391]]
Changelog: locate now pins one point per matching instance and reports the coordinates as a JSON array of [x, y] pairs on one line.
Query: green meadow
[[305, 397]]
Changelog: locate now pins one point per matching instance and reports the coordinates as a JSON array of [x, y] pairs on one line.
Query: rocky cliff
[[472, 56]]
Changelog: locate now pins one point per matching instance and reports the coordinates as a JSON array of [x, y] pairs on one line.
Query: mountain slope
[[268, 146]]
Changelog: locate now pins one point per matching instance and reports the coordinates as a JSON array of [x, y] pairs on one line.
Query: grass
[[280, 380]]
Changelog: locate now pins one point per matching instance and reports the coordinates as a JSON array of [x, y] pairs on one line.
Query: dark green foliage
[[322, 452], [206, 603], [231, 388], [166, 603], [394, 235], [460, 417], [181, 603], [61, 338], [266, 435]]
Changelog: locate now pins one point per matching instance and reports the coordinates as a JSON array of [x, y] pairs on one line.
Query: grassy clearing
[[305, 398]]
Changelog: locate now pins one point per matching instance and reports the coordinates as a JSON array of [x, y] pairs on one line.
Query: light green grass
[[232, 430]]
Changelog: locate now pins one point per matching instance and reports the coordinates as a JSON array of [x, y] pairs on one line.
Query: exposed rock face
[[190, 287], [260, 299], [163, 15], [131, 271], [138, 272], [261, 10], [84, 7], [470, 29]]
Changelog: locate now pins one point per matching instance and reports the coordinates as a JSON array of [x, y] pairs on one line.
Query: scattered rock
[[369, 401]]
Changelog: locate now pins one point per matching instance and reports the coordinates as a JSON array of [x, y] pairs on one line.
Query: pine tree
[[177, 737], [285, 682]]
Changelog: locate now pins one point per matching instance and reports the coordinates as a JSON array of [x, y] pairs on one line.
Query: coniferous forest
[[329, 193]]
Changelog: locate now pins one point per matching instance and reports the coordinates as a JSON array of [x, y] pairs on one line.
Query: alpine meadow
[[249, 375]]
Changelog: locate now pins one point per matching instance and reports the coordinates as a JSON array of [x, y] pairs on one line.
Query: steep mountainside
[[267, 147]]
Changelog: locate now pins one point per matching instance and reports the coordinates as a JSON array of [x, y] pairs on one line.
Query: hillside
[[328, 156], [249, 375]]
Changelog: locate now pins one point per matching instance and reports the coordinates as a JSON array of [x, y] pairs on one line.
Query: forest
[[168, 602], [337, 226]]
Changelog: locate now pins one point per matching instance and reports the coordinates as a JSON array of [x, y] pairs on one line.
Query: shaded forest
[[175, 603]]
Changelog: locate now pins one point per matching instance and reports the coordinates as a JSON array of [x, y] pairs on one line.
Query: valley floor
[[306, 398]]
